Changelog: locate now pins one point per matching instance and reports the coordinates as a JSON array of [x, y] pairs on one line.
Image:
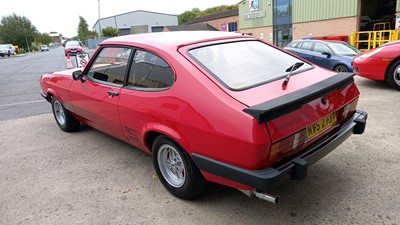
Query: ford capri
[[210, 106]]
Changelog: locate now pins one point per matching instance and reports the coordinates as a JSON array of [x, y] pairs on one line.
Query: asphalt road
[[51, 177], [19, 76]]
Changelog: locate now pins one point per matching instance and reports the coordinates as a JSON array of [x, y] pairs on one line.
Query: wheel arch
[[389, 65], [50, 93], [155, 130]]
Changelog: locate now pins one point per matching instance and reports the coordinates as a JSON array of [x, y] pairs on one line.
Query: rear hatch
[[299, 103], [313, 104]]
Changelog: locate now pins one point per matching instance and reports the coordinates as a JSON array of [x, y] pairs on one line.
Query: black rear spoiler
[[287, 103]]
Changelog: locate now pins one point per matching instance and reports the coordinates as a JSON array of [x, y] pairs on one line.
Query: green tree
[[109, 32], [17, 30], [196, 12], [43, 39], [92, 34], [83, 30], [188, 15]]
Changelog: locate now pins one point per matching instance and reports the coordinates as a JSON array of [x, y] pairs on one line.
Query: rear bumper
[[269, 178]]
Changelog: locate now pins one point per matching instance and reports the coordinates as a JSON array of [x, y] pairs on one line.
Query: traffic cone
[[69, 62]]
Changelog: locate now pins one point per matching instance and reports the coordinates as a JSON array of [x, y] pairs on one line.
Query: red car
[[210, 107], [382, 63], [72, 47]]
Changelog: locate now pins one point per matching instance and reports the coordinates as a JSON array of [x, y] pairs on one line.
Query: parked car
[[72, 48], [332, 55], [210, 107], [381, 63], [6, 49], [44, 48]]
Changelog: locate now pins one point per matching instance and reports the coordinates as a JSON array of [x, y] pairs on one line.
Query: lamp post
[[99, 19]]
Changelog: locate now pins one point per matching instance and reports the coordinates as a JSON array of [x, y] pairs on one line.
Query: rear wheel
[[65, 120], [393, 75], [176, 170], [340, 68]]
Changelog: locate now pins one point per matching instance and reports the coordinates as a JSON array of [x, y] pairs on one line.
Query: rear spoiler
[[288, 103]]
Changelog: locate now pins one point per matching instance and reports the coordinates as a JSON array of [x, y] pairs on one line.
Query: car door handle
[[113, 93]]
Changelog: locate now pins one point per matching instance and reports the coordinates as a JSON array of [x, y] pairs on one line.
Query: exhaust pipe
[[272, 198]]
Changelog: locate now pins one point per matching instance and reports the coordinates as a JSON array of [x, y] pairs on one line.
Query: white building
[[137, 22]]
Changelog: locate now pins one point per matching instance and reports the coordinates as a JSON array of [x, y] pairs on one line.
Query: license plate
[[321, 125]]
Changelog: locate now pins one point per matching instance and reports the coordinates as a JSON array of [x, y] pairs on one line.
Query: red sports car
[[210, 106], [382, 63], [72, 48]]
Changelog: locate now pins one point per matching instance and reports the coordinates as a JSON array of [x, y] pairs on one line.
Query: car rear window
[[72, 43], [244, 64]]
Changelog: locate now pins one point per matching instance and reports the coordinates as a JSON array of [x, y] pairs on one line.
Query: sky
[[63, 16]]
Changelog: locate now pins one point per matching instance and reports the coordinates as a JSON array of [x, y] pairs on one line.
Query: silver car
[[6, 49], [44, 48]]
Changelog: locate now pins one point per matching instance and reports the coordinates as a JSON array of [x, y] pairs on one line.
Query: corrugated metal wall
[[311, 10], [398, 6], [264, 7]]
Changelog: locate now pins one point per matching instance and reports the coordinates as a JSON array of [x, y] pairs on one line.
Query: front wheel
[[393, 75], [65, 120], [176, 170]]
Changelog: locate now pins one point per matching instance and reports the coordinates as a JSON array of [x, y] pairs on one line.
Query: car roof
[[322, 41], [173, 39]]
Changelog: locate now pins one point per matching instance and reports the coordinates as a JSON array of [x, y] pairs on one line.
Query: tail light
[[291, 143], [347, 110]]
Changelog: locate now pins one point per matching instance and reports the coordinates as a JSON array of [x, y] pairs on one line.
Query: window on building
[[282, 7], [110, 65], [232, 27], [150, 71]]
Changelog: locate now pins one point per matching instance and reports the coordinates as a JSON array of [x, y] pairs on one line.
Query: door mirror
[[328, 54], [77, 75]]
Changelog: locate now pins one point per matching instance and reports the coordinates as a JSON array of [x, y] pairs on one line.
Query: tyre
[[340, 68], [65, 120], [393, 75], [9, 53], [176, 170]]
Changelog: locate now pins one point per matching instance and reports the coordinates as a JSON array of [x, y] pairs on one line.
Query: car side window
[[110, 65], [150, 71], [319, 47], [306, 45], [293, 45]]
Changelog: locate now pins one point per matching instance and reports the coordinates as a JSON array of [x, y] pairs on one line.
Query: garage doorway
[[377, 15]]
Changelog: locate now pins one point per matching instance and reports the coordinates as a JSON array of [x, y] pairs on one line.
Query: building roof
[[191, 27], [219, 15], [131, 13]]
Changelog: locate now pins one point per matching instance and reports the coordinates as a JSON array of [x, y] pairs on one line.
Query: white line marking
[[22, 103]]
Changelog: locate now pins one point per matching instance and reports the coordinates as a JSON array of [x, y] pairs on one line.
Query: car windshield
[[72, 43], [343, 49], [244, 64]]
